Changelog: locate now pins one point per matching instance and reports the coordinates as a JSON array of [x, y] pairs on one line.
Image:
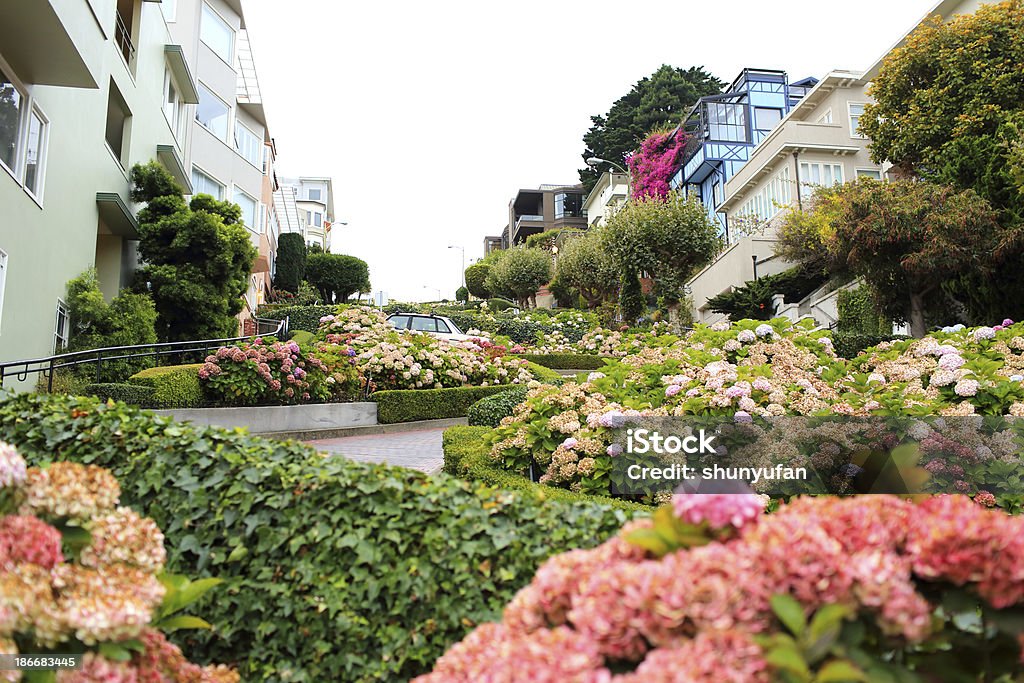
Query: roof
[[943, 8]]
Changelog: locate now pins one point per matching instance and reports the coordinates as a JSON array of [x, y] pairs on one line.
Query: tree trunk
[[917, 326], [673, 314]]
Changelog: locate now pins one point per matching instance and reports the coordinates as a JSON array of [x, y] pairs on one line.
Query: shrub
[[466, 456], [334, 570], [79, 574], [858, 313], [265, 372], [462, 295], [488, 411], [543, 374], [337, 276], [566, 361], [174, 386], [498, 305], [851, 344], [408, 405], [809, 593], [133, 394], [305, 318], [302, 337], [476, 275]]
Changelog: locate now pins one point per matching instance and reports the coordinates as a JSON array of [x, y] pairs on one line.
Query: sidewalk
[[418, 450]]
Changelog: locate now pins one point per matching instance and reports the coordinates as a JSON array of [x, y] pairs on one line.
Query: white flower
[[764, 330]]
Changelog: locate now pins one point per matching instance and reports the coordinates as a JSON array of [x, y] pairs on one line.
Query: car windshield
[[424, 325]]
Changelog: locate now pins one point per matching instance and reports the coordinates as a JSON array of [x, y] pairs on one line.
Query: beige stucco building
[[609, 193]]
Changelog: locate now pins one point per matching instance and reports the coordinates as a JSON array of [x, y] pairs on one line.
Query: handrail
[[21, 369]]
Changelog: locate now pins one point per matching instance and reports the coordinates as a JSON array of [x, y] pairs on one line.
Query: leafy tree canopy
[[197, 257], [669, 239], [476, 278], [662, 98], [950, 104], [337, 276], [585, 265], [520, 272], [291, 262]]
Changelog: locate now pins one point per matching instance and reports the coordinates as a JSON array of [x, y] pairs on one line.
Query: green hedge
[[849, 344], [121, 391], [174, 386], [301, 317], [566, 361], [543, 374], [466, 455], [489, 411], [334, 570], [407, 405]]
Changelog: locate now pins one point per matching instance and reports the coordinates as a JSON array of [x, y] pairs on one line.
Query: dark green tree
[[462, 295], [196, 257], [476, 276], [291, 262], [656, 100], [337, 276]]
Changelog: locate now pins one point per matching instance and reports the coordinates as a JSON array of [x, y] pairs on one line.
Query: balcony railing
[[529, 217], [123, 39]]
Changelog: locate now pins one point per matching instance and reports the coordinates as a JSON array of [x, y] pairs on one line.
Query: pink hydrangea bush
[[735, 606], [265, 372], [390, 359], [62, 592]]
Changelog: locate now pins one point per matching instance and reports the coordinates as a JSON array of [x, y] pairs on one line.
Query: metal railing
[[123, 38], [21, 369]]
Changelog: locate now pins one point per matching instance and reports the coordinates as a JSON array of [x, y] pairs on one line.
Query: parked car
[[434, 325]]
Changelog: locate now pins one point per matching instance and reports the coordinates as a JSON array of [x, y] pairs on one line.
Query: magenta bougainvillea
[[653, 164]]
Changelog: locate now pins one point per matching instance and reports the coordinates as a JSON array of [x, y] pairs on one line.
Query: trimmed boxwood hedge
[[466, 455], [173, 386], [545, 375], [334, 570], [121, 391], [566, 361], [407, 405], [489, 411]]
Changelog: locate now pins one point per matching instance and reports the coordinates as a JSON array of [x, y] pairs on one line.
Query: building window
[[174, 106], [118, 125], [727, 122], [213, 113], [314, 194], [217, 34], [716, 194], [247, 144], [3, 281], [766, 118], [826, 117], [774, 196], [12, 104], [60, 332], [248, 206], [35, 153], [856, 111], [204, 184], [825, 175], [569, 205], [318, 219], [873, 173]]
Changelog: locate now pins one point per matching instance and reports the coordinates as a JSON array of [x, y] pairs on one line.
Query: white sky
[[430, 115]]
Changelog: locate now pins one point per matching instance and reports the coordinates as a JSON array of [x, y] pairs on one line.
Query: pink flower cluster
[[693, 614], [719, 510], [651, 167], [109, 594], [259, 373]]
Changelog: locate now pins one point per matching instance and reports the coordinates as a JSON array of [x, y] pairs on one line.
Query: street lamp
[[463, 250], [597, 161], [435, 289]]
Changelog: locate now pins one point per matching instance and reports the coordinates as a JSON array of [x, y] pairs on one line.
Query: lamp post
[[435, 289], [463, 251], [594, 162], [753, 260]]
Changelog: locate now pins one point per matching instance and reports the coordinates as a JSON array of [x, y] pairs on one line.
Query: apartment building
[[610, 192], [725, 128], [306, 206], [231, 152], [547, 207], [87, 90]]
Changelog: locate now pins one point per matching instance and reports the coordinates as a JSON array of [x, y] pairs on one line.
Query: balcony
[[123, 39], [791, 136], [39, 41]]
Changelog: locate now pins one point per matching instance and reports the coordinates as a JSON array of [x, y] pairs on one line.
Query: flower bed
[[863, 589], [81, 575]]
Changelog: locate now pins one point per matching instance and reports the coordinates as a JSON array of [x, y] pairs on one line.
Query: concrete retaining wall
[[270, 419]]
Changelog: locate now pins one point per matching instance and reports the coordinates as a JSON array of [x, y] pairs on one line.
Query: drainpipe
[[796, 165]]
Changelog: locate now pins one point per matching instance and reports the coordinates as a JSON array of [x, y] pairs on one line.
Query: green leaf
[[182, 621], [238, 553], [790, 613], [789, 660], [840, 671]]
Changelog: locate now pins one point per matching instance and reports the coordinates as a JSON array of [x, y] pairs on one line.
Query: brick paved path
[[418, 450]]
